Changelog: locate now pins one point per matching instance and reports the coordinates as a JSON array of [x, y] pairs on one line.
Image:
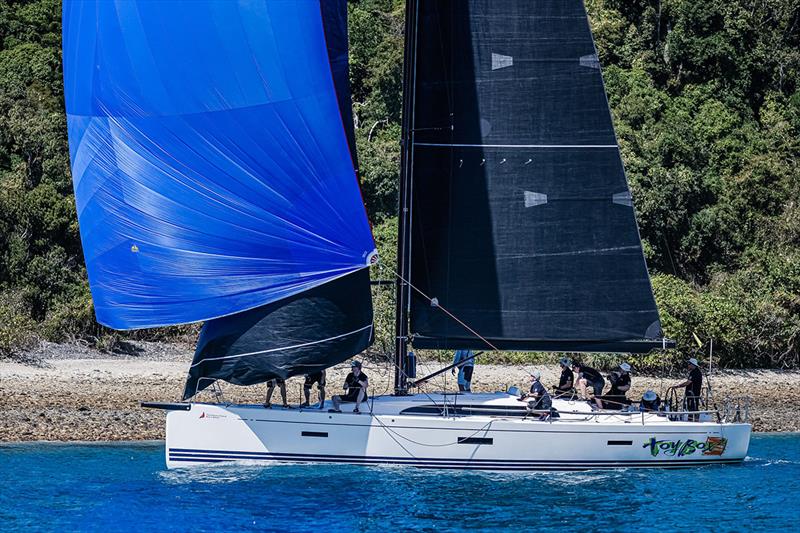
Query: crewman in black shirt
[[566, 381], [586, 376], [355, 386], [693, 387], [620, 385], [538, 396]]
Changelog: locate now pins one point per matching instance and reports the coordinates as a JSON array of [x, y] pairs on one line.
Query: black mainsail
[[517, 218]]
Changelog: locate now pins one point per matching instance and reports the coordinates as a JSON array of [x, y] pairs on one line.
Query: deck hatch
[[314, 433], [475, 440]]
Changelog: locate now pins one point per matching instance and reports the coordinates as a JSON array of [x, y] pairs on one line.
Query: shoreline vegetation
[[68, 392], [706, 104]]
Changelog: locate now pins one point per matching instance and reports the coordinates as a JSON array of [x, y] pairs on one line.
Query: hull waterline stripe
[[183, 453], [460, 463], [468, 464], [368, 326]]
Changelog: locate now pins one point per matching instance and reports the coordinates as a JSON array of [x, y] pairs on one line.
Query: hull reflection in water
[[475, 432]]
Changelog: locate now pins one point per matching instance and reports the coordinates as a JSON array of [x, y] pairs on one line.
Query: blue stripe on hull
[[217, 456]]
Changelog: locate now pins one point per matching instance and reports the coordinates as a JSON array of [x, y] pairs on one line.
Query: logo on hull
[[682, 448], [208, 415]]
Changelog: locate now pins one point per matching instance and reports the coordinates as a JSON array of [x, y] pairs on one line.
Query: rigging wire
[[454, 317], [389, 430]]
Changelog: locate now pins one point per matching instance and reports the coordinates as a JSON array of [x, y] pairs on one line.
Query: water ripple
[[126, 487]]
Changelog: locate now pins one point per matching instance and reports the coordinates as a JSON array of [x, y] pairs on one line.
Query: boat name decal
[[681, 448]]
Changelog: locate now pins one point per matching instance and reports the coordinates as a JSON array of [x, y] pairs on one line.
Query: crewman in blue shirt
[[465, 362]]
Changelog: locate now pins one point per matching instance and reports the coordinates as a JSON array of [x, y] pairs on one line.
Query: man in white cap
[[650, 401], [620, 385], [567, 380], [693, 385]]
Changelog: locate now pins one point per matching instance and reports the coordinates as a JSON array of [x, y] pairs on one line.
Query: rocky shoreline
[[72, 393]]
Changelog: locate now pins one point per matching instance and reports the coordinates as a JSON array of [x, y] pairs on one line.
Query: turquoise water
[[125, 487]]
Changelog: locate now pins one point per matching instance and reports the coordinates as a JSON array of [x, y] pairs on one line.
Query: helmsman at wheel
[[693, 387]]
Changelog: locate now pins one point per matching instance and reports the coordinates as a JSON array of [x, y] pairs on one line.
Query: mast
[[402, 301]]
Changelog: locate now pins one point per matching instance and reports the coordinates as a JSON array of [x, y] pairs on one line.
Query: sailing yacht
[[214, 167]]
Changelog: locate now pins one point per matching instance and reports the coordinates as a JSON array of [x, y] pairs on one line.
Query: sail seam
[[368, 326]]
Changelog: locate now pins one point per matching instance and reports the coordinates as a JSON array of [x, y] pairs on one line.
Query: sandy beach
[[72, 393]]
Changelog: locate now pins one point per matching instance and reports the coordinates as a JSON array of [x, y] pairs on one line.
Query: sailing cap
[[565, 361], [355, 364], [649, 396], [693, 361], [625, 367], [536, 374]]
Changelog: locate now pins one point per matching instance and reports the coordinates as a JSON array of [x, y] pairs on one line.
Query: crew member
[[620, 385], [319, 379], [355, 386], [281, 383], [567, 380], [650, 401], [586, 376], [540, 398], [465, 362], [693, 387]]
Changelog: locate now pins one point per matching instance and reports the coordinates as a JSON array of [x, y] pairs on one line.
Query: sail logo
[[501, 61], [682, 448]]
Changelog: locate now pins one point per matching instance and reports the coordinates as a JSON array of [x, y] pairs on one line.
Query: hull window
[[314, 434], [475, 440]]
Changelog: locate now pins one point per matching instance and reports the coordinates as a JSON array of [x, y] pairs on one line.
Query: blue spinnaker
[[211, 167]]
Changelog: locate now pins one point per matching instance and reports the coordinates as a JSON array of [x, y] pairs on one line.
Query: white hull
[[495, 437]]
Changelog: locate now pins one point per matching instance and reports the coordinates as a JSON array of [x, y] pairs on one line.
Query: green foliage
[[16, 325], [383, 296], [706, 101], [376, 70]]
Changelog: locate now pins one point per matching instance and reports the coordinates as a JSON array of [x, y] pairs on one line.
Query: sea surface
[[126, 487]]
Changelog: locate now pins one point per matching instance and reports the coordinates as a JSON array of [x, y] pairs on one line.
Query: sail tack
[[210, 155], [522, 222]]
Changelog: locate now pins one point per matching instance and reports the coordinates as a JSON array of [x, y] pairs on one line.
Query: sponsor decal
[[208, 415], [682, 448]]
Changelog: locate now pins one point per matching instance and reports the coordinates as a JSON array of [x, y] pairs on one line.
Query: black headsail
[[521, 219]]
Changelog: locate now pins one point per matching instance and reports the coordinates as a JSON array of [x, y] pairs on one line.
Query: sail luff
[[523, 224]]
